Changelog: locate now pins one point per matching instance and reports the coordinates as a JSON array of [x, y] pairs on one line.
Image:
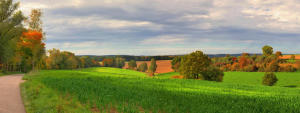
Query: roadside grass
[[118, 90]]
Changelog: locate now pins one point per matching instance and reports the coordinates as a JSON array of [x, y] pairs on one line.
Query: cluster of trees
[[117, 62], [129, 57], [268, 62], [143, 67], [66, 60], [197, 65], [21, 48]]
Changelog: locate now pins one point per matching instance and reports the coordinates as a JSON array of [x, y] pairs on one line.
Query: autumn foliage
[[32, 40]]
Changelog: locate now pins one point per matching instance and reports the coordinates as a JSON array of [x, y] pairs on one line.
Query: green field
[[118, 90], [291, 61]]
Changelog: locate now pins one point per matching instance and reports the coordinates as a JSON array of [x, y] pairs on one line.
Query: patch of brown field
[[289, 56], [178, 76], [163, 66]]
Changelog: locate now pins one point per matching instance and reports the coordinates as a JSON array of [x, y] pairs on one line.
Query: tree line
[[197, 65], [267, 62]]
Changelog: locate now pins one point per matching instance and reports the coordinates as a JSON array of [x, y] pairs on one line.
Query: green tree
[[132, 64], [152, 67], [269, 79], [119, 62], [11, 29], [143, 67], [267, 50], [176, 63], [194, 64], [197, 65], [213, 74]]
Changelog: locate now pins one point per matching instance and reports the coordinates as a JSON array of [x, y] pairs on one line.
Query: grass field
[[118, 90], [292, 61]]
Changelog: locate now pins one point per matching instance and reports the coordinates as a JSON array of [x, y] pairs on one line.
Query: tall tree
[[11, 29], [33, 47], [176, 63], [267, 50], [152, 67], [132, 64], [35, 22]]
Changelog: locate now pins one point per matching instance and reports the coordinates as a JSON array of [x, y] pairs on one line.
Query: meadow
[[120, 90]]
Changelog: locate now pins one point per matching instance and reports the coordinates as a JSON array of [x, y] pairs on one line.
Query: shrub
[[143, 67], [213, 74], [269, 79]]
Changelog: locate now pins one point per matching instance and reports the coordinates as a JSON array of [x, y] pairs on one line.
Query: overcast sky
[[163, 27]]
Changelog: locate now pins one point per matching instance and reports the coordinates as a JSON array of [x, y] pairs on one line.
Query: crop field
[[286, 79], [119, 90], [289, 56], [163, 66]]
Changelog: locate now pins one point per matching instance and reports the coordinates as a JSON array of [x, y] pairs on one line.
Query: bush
[[269, 79], [213, 74]]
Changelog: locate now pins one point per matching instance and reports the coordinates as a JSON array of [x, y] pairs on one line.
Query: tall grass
[[119, 90]]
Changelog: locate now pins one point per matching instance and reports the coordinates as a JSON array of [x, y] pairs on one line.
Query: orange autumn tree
[[33, 47], [31, 42]]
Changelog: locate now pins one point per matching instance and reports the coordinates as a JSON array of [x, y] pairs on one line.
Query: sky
[[168, 27]]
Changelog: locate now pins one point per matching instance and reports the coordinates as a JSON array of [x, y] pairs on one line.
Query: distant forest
[[148, 58]]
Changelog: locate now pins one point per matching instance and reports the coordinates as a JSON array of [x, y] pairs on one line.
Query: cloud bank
[[160, 27]]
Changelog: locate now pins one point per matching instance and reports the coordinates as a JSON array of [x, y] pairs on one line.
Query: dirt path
[[10, 96]]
